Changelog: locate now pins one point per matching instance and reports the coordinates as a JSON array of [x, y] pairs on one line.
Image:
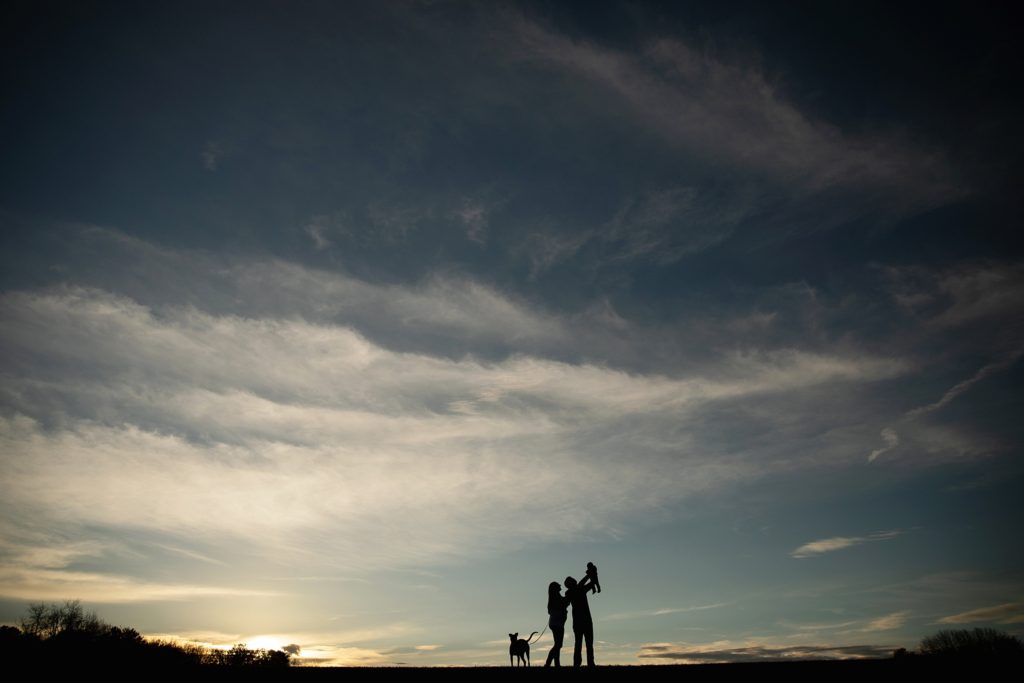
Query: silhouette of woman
[[558, 611]]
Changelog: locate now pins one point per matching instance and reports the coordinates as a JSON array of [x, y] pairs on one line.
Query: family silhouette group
[[582, 623]]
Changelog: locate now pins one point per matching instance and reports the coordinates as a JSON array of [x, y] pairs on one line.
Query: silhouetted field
[[813, 670], [759, 672]]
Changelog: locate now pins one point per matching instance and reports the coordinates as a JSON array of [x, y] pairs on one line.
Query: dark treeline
[[977, 643], [68, 635]]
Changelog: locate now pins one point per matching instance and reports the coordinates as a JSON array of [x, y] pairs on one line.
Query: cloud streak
[[829, 545], [889, 622], [730, 111], [664, 611], [1007, 613], [891, 439], [717, 654], [956, 390], [24, 577]]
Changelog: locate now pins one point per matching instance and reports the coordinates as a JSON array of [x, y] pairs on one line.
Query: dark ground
[[784, 672]]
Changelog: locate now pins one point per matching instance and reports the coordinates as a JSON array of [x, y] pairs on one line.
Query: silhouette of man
[[582, 622]]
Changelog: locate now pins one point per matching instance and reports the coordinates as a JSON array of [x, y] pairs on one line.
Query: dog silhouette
[[519, 648]]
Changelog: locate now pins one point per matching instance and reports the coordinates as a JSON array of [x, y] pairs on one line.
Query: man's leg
[[589, 635], [577, 654]]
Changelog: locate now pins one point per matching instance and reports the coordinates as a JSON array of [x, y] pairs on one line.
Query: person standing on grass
[[558, 612], [582, 622]]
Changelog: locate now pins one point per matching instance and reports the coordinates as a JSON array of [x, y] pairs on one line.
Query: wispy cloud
[[723, 653], [446, 311], [970, 292], [664, 611], [891, 439], [51, 566], [735, 111], [828, 545], [191, 554], [474, 216], [317, 231], [34, 583], [834, 626], [888, 623], [1007, 613], [1002, 364], [659, 226]]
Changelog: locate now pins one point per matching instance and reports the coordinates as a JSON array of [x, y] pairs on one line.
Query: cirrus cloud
[[828, 545]]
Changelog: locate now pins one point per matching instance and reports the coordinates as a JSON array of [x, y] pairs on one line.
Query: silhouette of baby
[[592, 573]]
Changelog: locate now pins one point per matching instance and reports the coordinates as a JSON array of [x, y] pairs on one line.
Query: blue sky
[[353, 326]]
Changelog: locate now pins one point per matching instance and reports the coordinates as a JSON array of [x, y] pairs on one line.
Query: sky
[[353, 325]]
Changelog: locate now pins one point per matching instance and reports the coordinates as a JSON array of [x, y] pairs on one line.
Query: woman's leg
[[558, 633]]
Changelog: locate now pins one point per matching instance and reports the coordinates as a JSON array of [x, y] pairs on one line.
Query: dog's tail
[[528, 640]]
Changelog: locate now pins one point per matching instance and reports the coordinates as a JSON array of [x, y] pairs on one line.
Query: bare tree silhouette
[[976, 643]]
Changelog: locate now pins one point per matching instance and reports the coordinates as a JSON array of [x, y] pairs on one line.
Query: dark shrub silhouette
[[977, 643], [67, 635]]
